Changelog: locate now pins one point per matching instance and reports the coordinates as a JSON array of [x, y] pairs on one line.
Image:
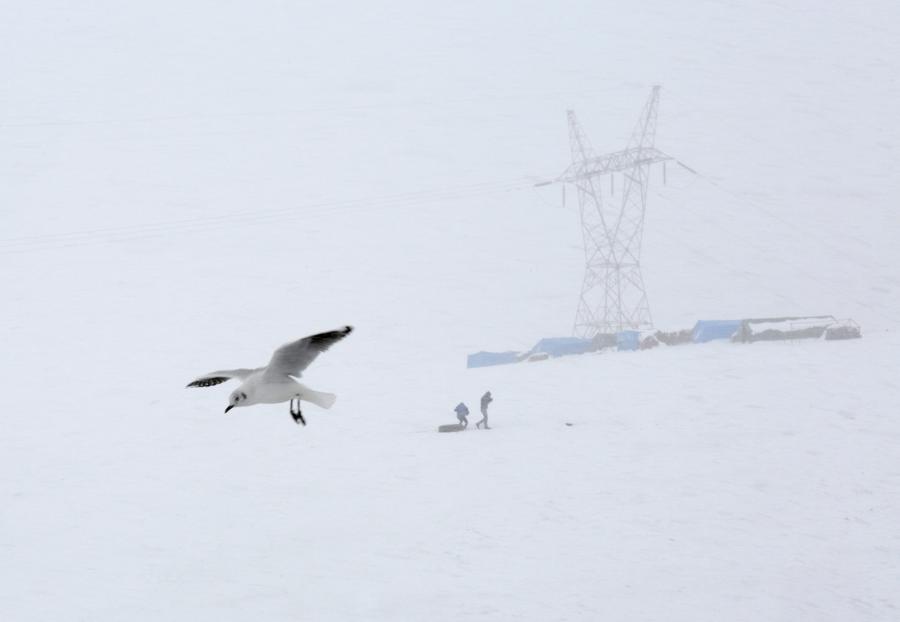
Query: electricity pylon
[[613, 297]]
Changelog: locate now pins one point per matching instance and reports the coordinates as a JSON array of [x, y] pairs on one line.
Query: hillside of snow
[[184, 186]]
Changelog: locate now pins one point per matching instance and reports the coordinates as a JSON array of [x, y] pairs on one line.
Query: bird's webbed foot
[[297, 414]]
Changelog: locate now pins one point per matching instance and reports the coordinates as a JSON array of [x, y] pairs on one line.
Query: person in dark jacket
[[486, 399], [462, 412]]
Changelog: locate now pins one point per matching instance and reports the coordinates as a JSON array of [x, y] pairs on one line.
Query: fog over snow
[[185, 186]]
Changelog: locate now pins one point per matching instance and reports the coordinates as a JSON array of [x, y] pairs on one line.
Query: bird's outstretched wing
[[292, 358], [218, 377]]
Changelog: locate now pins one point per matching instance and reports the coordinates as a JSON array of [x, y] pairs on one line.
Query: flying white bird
[[275, 382]]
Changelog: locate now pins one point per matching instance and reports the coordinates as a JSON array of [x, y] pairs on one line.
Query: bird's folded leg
[[298, 416]]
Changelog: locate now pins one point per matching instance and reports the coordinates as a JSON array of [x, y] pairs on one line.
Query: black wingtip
[[207, 382]]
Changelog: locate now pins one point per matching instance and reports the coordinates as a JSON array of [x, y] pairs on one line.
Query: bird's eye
[[243, 396]]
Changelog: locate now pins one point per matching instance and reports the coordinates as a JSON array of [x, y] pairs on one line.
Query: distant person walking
[[462, 411], [486, 399]]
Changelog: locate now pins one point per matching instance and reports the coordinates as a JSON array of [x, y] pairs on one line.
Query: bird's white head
[[238, 397]]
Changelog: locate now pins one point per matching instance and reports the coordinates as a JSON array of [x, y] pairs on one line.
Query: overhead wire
[[252, 217], [733, 233]]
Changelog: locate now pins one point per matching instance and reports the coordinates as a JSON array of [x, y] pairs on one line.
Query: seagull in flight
[[275, 383]]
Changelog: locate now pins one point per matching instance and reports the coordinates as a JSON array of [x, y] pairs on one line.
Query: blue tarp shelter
[[707, 330], [486, 359], [628, 340], [561, 346]]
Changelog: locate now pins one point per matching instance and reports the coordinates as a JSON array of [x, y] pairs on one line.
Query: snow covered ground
[[185, 186]]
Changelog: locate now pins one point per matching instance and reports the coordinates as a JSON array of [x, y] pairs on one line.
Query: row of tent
[[745, 331], [557, 346]]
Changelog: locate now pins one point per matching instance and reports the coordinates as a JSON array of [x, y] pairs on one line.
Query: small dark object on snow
[[569, 424], [451, 427]]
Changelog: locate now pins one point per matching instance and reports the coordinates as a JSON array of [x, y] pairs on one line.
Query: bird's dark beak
[[229, 408]]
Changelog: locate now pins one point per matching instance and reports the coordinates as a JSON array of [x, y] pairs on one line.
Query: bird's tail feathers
[[320, 399]]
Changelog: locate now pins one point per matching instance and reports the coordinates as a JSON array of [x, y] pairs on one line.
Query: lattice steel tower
[[613, 297]]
